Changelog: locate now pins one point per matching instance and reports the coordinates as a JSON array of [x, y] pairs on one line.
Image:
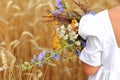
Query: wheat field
[[22, 32]]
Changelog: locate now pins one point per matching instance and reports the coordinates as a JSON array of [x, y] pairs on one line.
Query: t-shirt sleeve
[[89, 29]]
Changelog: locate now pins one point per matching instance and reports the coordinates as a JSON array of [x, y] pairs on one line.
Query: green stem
[[64, 48]]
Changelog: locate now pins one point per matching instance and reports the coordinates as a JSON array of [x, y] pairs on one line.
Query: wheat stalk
[[7, 58], [4, 21], [4, 60], [16, 7], [9, 3], [26, 33]]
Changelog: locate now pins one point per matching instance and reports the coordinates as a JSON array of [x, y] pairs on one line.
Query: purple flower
[[33, 59], [68, 14], [41, 64], [91, 12], [61, 9], [59, 5], [58, 2], [56, 12], [70, 42], [81, 14], [83, 43], [77, 52], [41, 56], [55, 56]]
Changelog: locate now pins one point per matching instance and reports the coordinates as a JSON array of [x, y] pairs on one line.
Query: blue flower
[[55, 56], [41, 56], [77, 52]]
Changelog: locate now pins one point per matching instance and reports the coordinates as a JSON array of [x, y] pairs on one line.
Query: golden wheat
[[8, 59], [23, 34]]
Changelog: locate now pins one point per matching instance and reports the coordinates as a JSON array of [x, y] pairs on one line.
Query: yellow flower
[[73, 23], [74, 20], [55, 22], [57, 47], [56, 44], [50, 18], [53, 32]]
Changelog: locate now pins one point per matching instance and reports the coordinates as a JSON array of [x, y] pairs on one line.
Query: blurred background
[[22, 30]]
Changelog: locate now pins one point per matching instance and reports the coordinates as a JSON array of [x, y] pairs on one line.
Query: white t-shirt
[[101, 46]]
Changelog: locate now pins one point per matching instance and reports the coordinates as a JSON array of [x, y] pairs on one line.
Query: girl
[[101, 56]]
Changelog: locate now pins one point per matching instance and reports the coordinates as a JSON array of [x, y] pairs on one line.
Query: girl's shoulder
[[91, 24]]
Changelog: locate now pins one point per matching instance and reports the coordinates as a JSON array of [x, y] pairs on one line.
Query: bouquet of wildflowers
[[65, 34]]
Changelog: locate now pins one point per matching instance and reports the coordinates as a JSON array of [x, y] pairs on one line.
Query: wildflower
[[41, 64], [50, 18], [72, 33], [73, 22], [76, 24], [56, 44], [75, 36], [61, 35], [91, 12], [77, 43], [57, 30], [65, 37], [62, 32], [69, 28], [70, 42], [81, 14], [62, 27], [58, 2], [61, 9], [55, 56], [59, 5], [56, 12], [48, 11], [41, 56], [56, 38], [53, 33], [55, 22], [77, 52], [34, 59], [83, 43], [72, 38]]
